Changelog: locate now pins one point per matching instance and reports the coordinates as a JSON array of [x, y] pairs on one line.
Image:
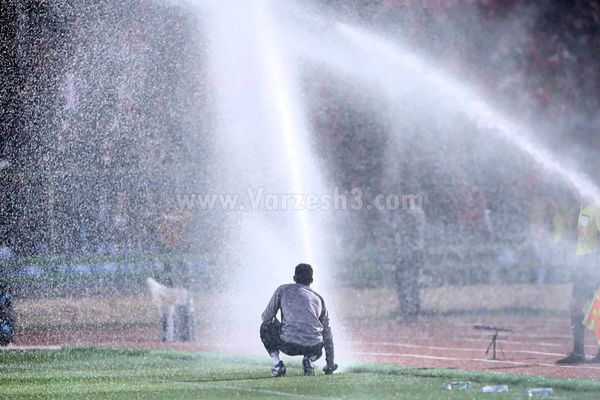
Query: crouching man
[[304, 328]]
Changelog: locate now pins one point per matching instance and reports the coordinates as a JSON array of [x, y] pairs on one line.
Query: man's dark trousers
[[270, 334]]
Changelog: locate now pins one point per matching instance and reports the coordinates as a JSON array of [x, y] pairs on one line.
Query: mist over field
[[427, 158]]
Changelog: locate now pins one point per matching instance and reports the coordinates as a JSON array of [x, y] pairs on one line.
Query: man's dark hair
[[303, 274]]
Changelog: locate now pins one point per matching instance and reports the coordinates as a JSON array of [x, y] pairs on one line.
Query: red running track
[[532, 347]]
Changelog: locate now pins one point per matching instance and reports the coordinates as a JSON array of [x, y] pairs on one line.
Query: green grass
[[166, 374]]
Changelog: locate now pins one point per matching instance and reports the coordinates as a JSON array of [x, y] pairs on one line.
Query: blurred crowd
[[113, 108], [535, 61], [537, 57], [96, 146]]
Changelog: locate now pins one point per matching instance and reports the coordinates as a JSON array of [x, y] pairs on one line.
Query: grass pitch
[[166, 374]]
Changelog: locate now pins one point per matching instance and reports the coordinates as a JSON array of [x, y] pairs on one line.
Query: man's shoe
[[572, 358], [596, 359], [309, 370], [278, 370]]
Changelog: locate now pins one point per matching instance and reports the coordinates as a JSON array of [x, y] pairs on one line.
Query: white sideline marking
[[541, 344], [546, 344], [520, 333], [416, 346], [267, 391], [531, 336], [533, 352], [367, 353], [11, 347], [487, 340]]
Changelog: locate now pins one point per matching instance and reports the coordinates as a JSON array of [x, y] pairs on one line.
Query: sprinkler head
[[329, 369]]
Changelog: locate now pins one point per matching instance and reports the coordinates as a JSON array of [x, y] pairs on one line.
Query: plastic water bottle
[[494, 389], [539, 392], [462, 385]]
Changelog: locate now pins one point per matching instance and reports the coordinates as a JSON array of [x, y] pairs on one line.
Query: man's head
[[303, 275]]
